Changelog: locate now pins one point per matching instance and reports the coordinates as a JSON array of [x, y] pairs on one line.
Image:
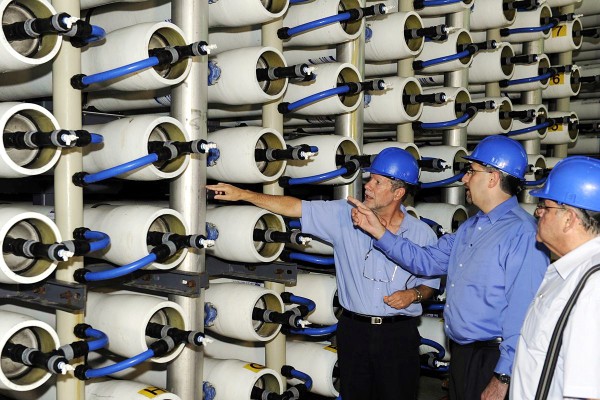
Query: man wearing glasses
[[377, 336], [494, 267], [569, 224]]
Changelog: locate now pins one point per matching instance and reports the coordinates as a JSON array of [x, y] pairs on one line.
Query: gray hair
[[590, 220]]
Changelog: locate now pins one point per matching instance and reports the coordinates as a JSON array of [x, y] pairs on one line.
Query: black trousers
[[378, 362], [471, 369]]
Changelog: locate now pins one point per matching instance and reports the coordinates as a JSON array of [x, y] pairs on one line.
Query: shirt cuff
[[386, 242], [504, 365]]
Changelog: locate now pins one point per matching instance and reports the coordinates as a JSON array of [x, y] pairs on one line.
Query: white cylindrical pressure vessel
[[453, 155], [377, 147], [413, 211], [563, 38], [24, 117], [131, 44], [491, 122], [121, 14], [237, 161], [123, 317], [337, 32], [491, 15], [537, 164], [114, 389], [315, 246], [17, 55], [317, 360], [448, 216], [552, 161], [388, 42], [588, 7], [325, 161], [523, 71], [436, 49], [563, 85], [18, 222], [562, 3], [236, 225], [446, 111], [125, 101], [530, 19], [322, 289], [541, 114], [26, 84], [237, 82], [327, 77], [234, 312], [432, 328], [562, 132], [432, 11], [128, 225], [585, 145], [221, 373], [588, 109], [233, 13], [127, 139], [487, 65], [20, 329], [388, 107]]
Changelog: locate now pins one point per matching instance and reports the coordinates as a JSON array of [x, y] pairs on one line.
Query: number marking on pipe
[[152, 391], [559, 30], [254, 367], [558, 79]]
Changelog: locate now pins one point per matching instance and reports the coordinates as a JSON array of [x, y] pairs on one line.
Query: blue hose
[[101, 240], [295, 224], [435, 345], [120, 366], [326, 330], [96, 138], [303, 377], [443, 182], [97, 34], [530, 29], [303, 301], [535, 183], [297, 1], [528, 129], [318, 178], [445, 124], [318, 96], [311, 258], [441, 60], [435, 307], [120, 71], [100, 343], [433, 3], [318, 23], [121, 169], [530, 79], [120, 271]]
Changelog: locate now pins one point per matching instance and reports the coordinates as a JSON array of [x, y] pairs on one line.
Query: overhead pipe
[[493, 121], [564, 130], [449, 216], [453, 155]]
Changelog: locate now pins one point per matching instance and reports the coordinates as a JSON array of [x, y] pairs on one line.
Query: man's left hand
[[495, 390], [400, 299]]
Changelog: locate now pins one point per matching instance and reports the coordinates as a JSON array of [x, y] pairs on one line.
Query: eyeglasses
[[542, 206], [470, 171], [369, 273]]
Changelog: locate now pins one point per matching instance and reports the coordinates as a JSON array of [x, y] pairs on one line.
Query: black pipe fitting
[[433, 98], [357, 87], [433, 164], [436, 32], [524, 115], [275, 73], [473, 48], [32, 249], [480, 105], [524, 5], [35, 358], [364, 160], [35, 27], [289, 153], [520, 59]]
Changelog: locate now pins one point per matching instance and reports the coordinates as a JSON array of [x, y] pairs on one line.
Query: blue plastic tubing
[[318, 23], [318, 178], [311, 258], [101, 342], [303, 377], [318, 96], [443, 182], [101, 240], [303, 301], [528, 129], [97, 34], [451, 57], [445, 124], [435, 345], [121, 169], [120, 71], [529, 29], [295, 224], [530, 79], [326, 330], [433, 3], [96, 138], [120, 271], [120, 366], [535, 183]]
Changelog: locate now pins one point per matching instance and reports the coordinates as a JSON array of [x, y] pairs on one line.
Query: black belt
[[373, 320]]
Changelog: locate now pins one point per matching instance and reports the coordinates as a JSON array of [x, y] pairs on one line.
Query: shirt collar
[[500, 210], [564, 265], [406, 222]]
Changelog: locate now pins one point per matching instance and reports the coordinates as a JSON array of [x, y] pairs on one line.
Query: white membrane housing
[[122, 14], [27, 84], [491, 122], [236, 225], [237, 162], [335, 33], [384, 27], [119, 390], [529, 19], [587, 109], [562, 3], [21, 329], [132, 44], [221, 374], [325, 161], [377, 147], [23, 54], [328, 76], [451, 154], [445, 9], [127, 139], [238, 84], [128, 225], [126, 101], [234, 312], [537, 163], [448, 216], [529, 71], [541, 111], [233, 13], [445, 111], [562, 133], [490, 16], [432, 328], [487, 65], [387, 106], [315, 246], [23, 117], [585, 145], [322, 289], [20, 223], [435, 49], [562, 86], [562, 37], [123, 317]]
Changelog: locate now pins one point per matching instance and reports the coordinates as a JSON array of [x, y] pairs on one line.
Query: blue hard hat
[[395, 163], [502, 153], [574, 181]]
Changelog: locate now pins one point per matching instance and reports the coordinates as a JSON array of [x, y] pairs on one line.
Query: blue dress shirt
[[364, 274], [494, 267]]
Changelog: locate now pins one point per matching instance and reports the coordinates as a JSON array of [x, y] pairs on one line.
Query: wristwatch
[[503, 378]]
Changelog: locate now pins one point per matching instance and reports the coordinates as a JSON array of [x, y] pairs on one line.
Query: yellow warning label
[[331, 348], [559, 30], [556, 128], [152, 391], [254, 367], [558, 79]]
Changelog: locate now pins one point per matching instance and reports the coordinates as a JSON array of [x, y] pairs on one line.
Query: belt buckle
[[376, 320]]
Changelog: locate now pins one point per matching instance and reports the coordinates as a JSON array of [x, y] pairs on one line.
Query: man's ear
[[494, 179], [399, 193]]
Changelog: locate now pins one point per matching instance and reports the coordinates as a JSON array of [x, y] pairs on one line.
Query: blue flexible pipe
[[433, 3], [318, 178], [435, 345], [326, 330], [318, 23], [96, 138], [528, 129], [535, 183], [97, 34], [530, 79], [311, 258], [303, 377], [318, 96], [100, 343], [295, 224], [443, 182], [120, 271], [121, 169], [120, 71], [298, 1], [529, 29], [101, 240], [441, 60], [303, 301], [445, 124], [435, 307], [120, 366]]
